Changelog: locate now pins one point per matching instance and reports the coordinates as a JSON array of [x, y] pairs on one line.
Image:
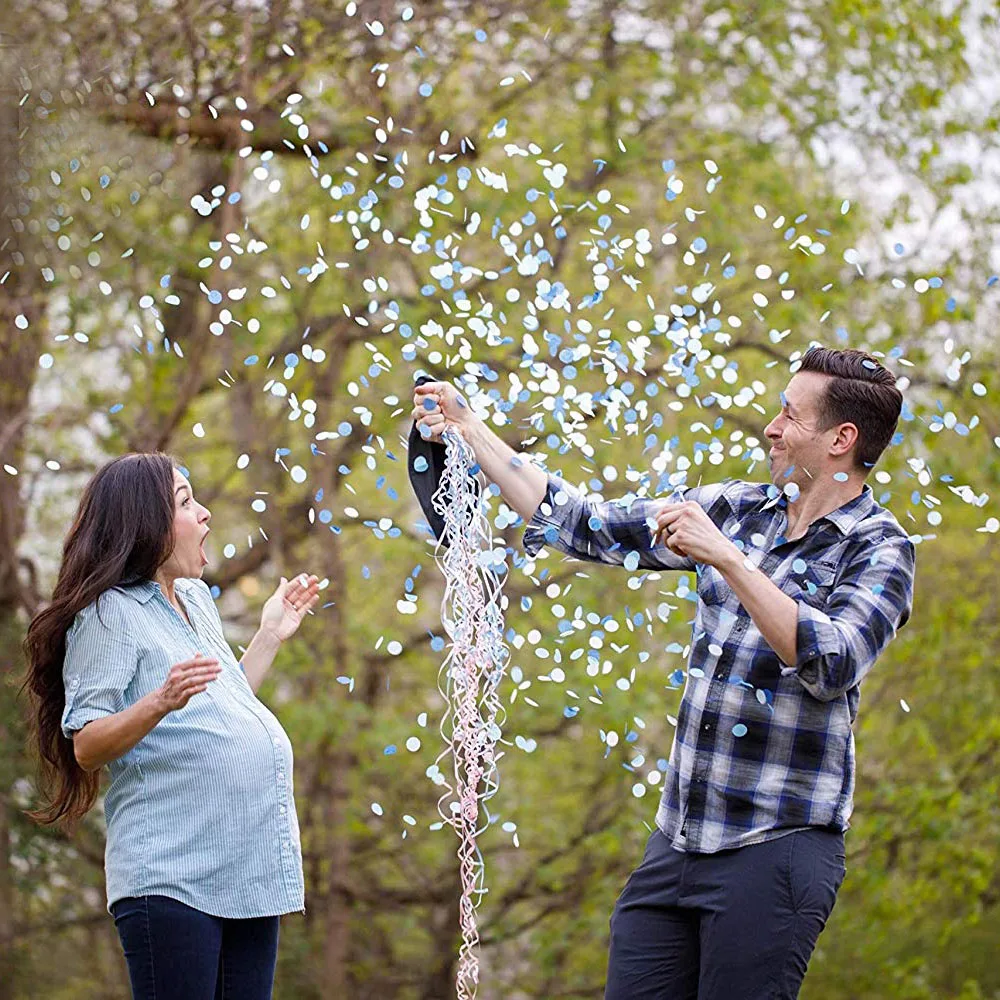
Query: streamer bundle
[[470, 675]]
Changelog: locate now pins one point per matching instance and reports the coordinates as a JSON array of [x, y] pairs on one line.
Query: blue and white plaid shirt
[[761, 748]]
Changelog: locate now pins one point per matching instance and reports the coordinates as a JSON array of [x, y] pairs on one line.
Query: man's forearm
[[772, 610], [522, 484]]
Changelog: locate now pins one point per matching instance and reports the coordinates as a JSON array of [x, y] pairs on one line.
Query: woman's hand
[[185, 680], [287, 606], [437, 404]]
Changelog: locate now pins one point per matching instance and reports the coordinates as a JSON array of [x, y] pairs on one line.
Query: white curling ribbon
[[469, 680]]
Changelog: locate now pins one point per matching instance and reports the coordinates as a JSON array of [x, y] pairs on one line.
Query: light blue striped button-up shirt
[[200, 809]]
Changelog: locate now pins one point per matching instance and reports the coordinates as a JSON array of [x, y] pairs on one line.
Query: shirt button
[[708, 726], [282, 810], [276, 741]]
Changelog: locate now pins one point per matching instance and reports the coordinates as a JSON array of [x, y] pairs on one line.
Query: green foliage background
[[125, 113]]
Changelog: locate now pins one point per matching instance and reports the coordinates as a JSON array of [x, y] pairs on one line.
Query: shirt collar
[[139, 590], [849, 514]]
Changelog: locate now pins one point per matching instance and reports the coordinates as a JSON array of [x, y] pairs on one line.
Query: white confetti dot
[[298, 474], [229, 551], [198, 431], [638, 789], [377, 809], [259, 506], [903, 705], [413, 744], [45, 361], [243, 461]]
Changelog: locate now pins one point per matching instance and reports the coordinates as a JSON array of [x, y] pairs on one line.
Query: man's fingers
[[426, 387]]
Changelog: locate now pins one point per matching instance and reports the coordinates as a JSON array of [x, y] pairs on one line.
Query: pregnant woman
[[128, 667]]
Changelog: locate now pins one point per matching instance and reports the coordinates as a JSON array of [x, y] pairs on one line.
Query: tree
[[204, 312]]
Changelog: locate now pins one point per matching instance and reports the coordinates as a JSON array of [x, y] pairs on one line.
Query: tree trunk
[[19, 349]]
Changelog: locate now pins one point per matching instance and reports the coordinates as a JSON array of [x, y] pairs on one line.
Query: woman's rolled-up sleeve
[[100, 662]]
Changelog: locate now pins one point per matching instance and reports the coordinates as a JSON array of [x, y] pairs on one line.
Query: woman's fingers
[[198, 660]]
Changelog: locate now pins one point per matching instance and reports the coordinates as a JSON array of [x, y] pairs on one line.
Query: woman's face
[[191, 519]]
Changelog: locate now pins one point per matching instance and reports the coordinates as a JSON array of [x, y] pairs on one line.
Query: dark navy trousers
[[735, 925], [175, 952]]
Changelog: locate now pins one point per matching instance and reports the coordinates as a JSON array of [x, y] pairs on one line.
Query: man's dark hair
[[860, 391]]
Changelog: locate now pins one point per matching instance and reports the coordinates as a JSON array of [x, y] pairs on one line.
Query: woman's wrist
[[265, 637]]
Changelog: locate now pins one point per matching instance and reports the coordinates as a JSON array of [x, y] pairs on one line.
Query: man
[[801, 585]]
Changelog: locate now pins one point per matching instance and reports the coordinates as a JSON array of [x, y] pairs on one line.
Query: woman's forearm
[[259, 656], [104, 740]]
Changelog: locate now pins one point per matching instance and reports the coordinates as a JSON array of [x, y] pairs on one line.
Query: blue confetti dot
[[420, 464], [480, 35], [343, 428], [841, 477], [425, 90], [390, 750], [799, 566], [699, 245], [739, 730]]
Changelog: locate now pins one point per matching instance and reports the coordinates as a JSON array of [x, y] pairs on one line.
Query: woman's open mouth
[[201, 550]]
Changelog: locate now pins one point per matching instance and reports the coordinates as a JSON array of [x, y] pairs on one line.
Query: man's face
[[799, 449]]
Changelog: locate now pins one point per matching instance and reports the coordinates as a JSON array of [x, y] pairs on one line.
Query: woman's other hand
[[185, 680], [287, 606]]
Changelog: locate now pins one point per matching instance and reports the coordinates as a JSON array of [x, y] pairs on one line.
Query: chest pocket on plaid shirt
[[816, 583]]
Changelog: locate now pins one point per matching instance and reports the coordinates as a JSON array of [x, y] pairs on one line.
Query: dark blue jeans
[[735, 925], [177, 953]]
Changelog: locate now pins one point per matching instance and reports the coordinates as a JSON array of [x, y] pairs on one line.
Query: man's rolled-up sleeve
[[837, 645], [606, 531]]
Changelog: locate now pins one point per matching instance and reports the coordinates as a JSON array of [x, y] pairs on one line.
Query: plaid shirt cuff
[[815, 637], [544, 526]]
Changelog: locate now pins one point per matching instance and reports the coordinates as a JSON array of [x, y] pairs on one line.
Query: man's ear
[[844, 440]]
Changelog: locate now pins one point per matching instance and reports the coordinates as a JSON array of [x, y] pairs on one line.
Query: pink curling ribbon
[[469, 680]]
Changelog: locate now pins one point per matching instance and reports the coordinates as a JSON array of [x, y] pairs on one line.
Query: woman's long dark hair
[[123, 531]]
